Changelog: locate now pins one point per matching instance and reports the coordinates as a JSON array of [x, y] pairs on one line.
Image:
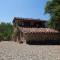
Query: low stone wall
[[34, 34], [42, 36]]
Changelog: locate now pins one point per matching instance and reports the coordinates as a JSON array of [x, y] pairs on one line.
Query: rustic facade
[[25, 22], [33, 29]]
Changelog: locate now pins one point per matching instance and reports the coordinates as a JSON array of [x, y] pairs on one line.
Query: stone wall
[[42, 36]]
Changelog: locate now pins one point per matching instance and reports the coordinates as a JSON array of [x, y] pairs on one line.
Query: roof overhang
[[28, 19]]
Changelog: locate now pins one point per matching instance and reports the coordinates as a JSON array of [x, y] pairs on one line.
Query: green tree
[[53, 8], [6, 30]]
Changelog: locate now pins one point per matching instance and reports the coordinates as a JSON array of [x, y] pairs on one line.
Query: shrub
[[6, 30]]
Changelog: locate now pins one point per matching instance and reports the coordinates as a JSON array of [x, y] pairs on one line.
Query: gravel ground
[[14, 51]]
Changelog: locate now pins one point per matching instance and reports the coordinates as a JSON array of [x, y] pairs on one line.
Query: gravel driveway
[[14, 51]]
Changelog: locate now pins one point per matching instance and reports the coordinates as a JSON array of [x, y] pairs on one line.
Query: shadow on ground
[[45, 42]]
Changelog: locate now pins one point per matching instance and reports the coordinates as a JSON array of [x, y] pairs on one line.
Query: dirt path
[[14, 51]]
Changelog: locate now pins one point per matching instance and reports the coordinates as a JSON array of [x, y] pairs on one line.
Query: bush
[[6, 30]]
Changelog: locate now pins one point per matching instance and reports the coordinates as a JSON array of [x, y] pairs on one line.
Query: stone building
[[27, 29]]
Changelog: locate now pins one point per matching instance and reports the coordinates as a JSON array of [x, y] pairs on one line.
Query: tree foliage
[[6, 30], [53, 8]]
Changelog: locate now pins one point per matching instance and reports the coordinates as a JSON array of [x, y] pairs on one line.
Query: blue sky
[[22, 8]]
